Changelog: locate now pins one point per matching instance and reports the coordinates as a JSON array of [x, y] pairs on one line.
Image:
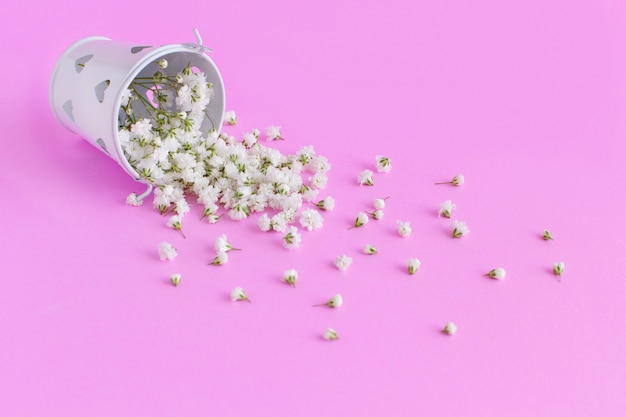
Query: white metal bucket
[[89, 78]]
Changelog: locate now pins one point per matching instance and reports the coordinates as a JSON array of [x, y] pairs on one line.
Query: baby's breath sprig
[[456, 180], [334, 302], [361, 220], [370, 250], [238, 294]]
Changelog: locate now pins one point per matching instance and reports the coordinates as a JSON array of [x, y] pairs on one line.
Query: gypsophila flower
[[456, 180], [334, 302], [330, 334], [292, 238], [383, 164], [273, 133], [311, 219], [162, 63], [327, 204], [379, 203], [377, 214], [370, 250], [366, 177], [343, 262], [220, 259], [413, 265], [547, 235], [175, 222], [446, 208], [290, 276], [222, 244], [497, 273], [167, 252], [230, 117], [132, 200], [175, 279], [450, 328], [558, 269], [264, 222], [459, 228], [361, 219], [238, 294], [404, 228]]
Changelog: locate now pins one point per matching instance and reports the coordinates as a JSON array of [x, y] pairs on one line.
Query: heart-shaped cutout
[[101, 143], [137, 49], [101, 88], [68, 107], [80, 62]]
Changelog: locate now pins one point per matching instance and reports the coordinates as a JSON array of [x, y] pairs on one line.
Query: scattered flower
[[377, 214], [547, 235], [370, 250], [222, 245], [330, 334], [404, 228], [220, 259], [497, 273], [167, 252], [273, 133], [343, 262], [383, 164], [413, 265], [327, 204], [162, 63], [238, 294], [366, 177], [175, 222], [456, 180], [292, 238], [290, 277], [361, 219], [558, 269], [230, 117], [459, 228], [446, 208], [133, 200], [175, 279], [450, 328], [311, 219], [379, 203], [334, 302]]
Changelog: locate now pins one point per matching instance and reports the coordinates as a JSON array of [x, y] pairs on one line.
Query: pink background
[[526, 98]]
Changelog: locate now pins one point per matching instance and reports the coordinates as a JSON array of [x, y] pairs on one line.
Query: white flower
[[497, 273], [459, 228], [249, 139], [370, 250], [311, 219], [230, 117], [167, 252], [404, 228], [330, 334], [360, 220], [377, 214], [558, 269], [334, 302], [413, 265], [366, 177], [238, 294], [175, 279], [222, 245], [456, 180], [220, 259], [292, 238], [450, 328], [132, 200], [547, 235], [343, 262], [273, 133], [125, 97], [162, 63], [142, 127], [327, 204], [290, 276], [383, 164], [264, 222], [181, 207], [319, 180], [379, 203], [446, 208], [175, 222]]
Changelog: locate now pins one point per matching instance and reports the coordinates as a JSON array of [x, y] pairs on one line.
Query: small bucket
[[90, 77]]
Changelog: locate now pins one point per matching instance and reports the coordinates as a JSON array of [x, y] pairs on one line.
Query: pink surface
[[527, 99]]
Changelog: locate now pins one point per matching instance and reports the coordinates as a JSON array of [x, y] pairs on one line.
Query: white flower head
[[167, 252], [264, 222], [370, 250], [343, 262], [446, 208], [361, 219], [404, 228], [311, 219], [330, 334], [290, 276], [547, 235], [558, 269], [222, 244], [456, 180], [383, 164], [377, 214], [273, 133], [221, 258], [497, 273], [292, 238], [327, 204], [379, 203], [334, 302], [230, 117], [238, 294], [176, 223], [450, 328], [459, 228], [133, 200], [366, 177], [413, 265], [175, 279]]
